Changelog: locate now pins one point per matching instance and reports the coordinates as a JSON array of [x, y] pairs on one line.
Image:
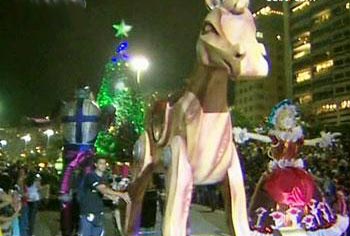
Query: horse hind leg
[[137, 192], [179, 190], [225, 190]]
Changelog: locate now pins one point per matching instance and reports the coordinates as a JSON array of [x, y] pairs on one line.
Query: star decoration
[[121, 29]]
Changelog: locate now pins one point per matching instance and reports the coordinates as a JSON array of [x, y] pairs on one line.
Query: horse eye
[[209, 28]]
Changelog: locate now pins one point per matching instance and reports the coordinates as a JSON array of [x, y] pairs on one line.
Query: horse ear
[[236, 6], [211, 4]]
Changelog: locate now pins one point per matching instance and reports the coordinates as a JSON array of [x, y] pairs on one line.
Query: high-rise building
[[319, 35], [255, 98]]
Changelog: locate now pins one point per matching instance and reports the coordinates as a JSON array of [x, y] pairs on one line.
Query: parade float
[[190, 135]]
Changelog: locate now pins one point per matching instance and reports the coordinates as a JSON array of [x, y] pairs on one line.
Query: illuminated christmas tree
[[116, 90]]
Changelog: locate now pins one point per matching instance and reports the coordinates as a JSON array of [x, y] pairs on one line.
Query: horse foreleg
[[236, 207], [138, 186], [179, 190]]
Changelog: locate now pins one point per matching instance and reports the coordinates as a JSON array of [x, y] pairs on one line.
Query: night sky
[[46, 51]]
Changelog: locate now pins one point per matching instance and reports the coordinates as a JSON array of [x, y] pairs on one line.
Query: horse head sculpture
[[191, 136], [228, 40]]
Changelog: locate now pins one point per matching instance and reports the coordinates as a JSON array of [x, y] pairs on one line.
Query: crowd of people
[[22, 189], [329, 166]]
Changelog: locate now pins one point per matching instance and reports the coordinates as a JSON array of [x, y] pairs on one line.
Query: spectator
[[94, 188], [34, 197], [7, 212], [16, 204], [23, 191]]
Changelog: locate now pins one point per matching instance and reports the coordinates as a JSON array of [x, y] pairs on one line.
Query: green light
[[121, 29], [118, 141]]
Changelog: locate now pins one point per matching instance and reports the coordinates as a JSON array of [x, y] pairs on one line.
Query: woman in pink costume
[[286, 198]]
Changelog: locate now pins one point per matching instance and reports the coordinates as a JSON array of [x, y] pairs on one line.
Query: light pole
[[139, 64], [48, 133], [26, 138]]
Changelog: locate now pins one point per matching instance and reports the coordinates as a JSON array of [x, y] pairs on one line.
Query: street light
[[48, 133], [26, 138], [3, 143], [139, 64]]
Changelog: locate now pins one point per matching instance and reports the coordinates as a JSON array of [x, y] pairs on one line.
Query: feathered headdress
[[283, 105]]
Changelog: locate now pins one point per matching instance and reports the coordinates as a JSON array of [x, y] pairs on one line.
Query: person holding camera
[[94, 188], [8, 207]]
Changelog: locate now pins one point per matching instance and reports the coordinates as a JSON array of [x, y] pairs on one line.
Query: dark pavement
[[204, 223]]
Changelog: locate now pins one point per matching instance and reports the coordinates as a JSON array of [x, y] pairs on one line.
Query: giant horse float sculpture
[[192, 134]]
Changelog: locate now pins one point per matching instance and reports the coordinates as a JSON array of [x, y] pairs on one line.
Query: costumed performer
[[286, 198]]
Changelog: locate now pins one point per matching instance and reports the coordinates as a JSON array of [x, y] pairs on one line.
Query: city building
[[318, 33]]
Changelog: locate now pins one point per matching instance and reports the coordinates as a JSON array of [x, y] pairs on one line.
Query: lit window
[[305, 36], [259, 35], [302, 50], [303, 75], [301, 6], [299, 55], [267, 11], [323, 16], [302, 46], [324, 66], [327, 108], [305, 99], [345, 104]]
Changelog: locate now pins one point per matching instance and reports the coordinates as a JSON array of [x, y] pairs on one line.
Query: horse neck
[[210, 87]]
